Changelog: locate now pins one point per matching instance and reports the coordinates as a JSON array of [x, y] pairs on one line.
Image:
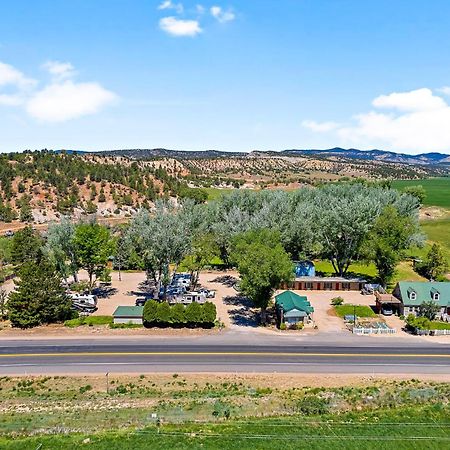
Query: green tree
[[149, 313], [204, 249], [388, 239], [209, 313], [163, 315], [435, 263], [193, 313], [263, 265], [39, 297], [429, 309], [26, 246], [25, 211], [178, 314], [3, 300], [93, 246], [417, 191], [60, 248]]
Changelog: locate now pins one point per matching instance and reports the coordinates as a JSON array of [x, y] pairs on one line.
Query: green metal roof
[[289, 300], [424, 292], [129, 311]]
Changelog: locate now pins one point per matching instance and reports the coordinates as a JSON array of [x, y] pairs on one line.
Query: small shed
[[293, 308], [129, 315]]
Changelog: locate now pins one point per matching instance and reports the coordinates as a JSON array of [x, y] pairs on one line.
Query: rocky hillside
[[41, 186]]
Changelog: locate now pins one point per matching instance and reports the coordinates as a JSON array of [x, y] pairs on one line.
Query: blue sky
[[238, 75]]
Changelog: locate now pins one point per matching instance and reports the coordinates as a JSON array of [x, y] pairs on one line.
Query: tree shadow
[[226, 280], [243, 315], [104, 291]]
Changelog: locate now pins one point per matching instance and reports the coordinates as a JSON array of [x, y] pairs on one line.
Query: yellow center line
[[385, 355]]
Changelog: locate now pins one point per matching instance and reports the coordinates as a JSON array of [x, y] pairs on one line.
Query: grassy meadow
[[437, 190], [225, 411]]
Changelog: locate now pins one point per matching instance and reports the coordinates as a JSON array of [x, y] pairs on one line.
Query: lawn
[[89, 320], [404, 271], [348, 310], [437, 190]]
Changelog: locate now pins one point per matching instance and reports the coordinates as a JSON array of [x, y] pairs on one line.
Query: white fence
[[440, 332], [361, 330]]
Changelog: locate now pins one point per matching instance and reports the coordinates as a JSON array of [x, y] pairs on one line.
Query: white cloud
[[67, 100], [415, 121], [221, 15], [179, 27], [59, 70], [418, 100], [444, 90], [200, 9], [9, 75], [11, 99], [167, 4], [60, 100], [320, 127]]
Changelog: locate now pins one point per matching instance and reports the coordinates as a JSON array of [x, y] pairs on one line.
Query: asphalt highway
[[100, 356]]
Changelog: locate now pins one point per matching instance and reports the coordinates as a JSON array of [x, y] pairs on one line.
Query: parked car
[[140, 301], [9, 233], [387, 311]]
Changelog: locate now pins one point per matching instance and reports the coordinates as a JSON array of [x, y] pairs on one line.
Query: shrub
[[209, 313], [163, 313], [149, 314], [336, 301], [283, 326], [193, 313], [178, 314], [313, 405]]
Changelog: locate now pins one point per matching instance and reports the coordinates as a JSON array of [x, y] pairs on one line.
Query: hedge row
[[162, 314]]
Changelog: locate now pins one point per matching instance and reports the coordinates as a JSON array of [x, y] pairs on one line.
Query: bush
[[163, 313], [177, 314], [283, 326], [336, 301], [193, 313], [80, 287], [313, 406], [149, 314]]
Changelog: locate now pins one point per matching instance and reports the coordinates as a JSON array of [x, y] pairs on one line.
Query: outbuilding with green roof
[[413, 293], [293, 308], [129, 315]]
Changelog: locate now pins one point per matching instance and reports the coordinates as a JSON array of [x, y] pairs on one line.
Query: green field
[[193, 411], [437, 190], [418, 428], [215, 193]]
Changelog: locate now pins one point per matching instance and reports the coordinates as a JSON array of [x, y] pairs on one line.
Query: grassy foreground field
[[418, 428], [223, 411], [437, 190]]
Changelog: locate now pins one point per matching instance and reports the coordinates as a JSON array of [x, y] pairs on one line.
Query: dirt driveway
[[324, 315]]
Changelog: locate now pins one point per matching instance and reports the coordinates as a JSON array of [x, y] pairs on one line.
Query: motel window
[[327, 285], [308, 285], [346, 286]]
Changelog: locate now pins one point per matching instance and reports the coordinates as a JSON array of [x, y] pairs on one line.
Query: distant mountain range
[[352, 153]]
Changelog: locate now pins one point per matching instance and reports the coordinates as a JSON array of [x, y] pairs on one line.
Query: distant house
[[413, 293], [129, 314], [292, 308], [312, 283]]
